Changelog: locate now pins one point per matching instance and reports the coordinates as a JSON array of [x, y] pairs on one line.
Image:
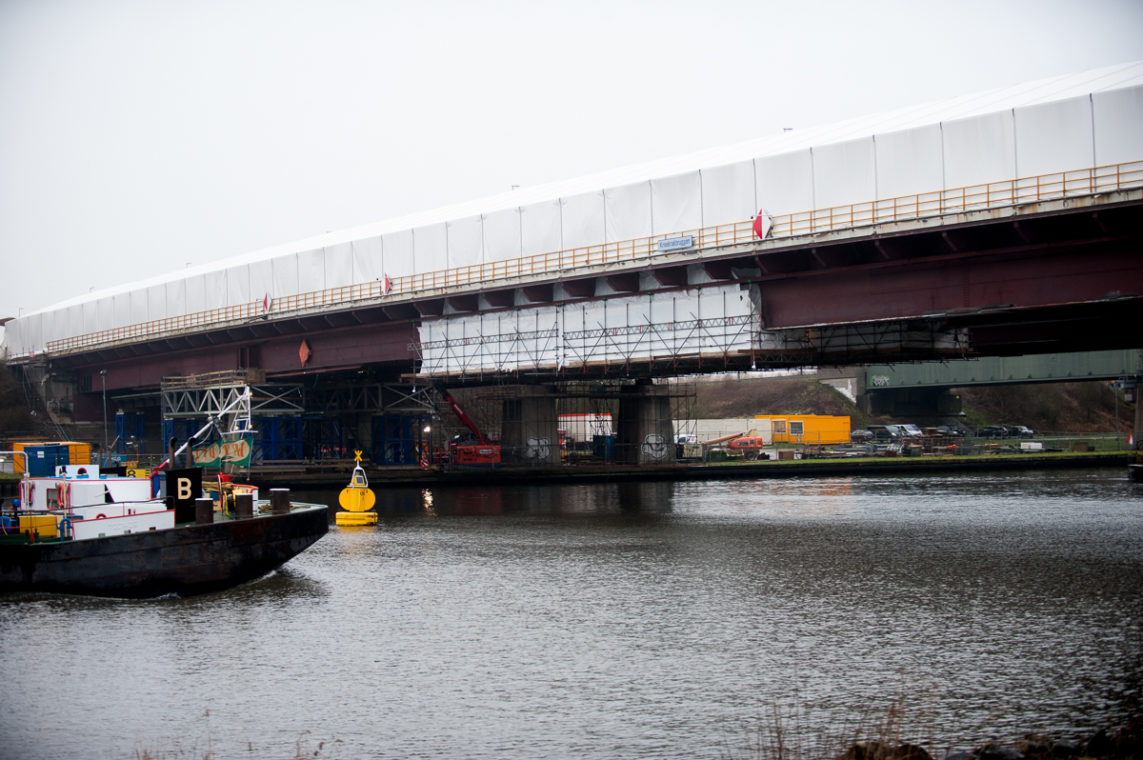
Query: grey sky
[[138, 136]]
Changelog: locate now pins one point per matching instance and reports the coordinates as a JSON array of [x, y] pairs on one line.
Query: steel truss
[[375, 398], [226, 400]]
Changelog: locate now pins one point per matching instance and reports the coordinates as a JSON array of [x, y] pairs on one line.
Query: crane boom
[[484, 451]]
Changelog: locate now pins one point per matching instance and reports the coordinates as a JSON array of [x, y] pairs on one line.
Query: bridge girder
[[1016, 282]]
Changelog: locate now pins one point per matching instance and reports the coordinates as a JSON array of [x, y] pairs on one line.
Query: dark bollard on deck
[[280, 500], [243, 506], [203, 511]]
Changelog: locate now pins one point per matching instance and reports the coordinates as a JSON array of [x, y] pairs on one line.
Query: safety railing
[[992, 195]]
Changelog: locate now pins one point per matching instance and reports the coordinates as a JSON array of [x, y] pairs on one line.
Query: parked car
[[885, 432], [1019, 431], [911, 431], [992, 431], [861, 436]]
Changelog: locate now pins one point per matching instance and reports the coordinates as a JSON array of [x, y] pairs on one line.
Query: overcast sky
[[137, 136]]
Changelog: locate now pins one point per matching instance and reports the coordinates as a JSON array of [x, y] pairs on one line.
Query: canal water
[[616, 620]]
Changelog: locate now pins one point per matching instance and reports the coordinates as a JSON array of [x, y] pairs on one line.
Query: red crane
[[479, 449]]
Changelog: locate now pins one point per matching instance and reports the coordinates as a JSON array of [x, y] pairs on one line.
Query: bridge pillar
[[530, 428], [644, 427], [1137, 431]]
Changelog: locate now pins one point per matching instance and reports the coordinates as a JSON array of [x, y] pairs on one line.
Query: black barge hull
[[185, 560]]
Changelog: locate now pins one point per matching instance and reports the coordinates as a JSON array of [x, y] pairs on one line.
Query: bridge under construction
[[1002, 224]]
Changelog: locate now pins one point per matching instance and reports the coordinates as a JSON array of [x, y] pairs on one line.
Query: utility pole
[[106, 454]]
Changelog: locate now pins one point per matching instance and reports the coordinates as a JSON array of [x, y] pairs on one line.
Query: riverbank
[[337, 475]]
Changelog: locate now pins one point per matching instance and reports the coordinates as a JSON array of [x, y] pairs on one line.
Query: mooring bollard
[[203, 511], [280, 500], [243, 506]]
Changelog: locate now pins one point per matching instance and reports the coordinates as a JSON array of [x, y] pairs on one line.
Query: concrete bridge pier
[[644, 427], [1137, 430], [530, 428]]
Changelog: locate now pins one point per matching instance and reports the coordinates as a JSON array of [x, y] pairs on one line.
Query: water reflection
[[555, 500], [620, 620]]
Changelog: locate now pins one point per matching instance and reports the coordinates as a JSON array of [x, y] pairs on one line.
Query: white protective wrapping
[[48, 324], [238, 285], [628, 212], [541, 227], [121, 303], [139, 307], [785, 183], [502, 230], [261, 279], [430, 248], [1054, 137], [1063, 123], [311, 270], [979, 150], [338, 265], [582, 220], [368, 259], [909, 162], [399, 253], [676, 203], [844, 173], [106, 313], [285, 276], [156, 302], [728, 194], [175, 294], [1117, 117], [214, 290], [465, 242], [632, 329], [90, 314]]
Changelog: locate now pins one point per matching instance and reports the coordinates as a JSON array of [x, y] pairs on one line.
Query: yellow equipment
[[357, 498]]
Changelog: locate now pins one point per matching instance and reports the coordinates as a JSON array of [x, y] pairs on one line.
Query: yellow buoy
[[356, 518], [357, 498]]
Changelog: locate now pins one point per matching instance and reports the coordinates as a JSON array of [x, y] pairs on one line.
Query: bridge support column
[[1137, 431], [530, 428], [644, 427]]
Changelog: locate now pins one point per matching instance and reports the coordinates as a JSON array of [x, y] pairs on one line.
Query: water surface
[[652, 620]]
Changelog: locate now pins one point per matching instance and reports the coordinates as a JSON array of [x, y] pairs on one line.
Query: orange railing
[[937, 203]]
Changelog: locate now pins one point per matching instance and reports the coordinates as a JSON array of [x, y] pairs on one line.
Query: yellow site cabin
[[808, 429]]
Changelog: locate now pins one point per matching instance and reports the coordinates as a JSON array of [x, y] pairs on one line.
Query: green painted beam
[[1043, 368]]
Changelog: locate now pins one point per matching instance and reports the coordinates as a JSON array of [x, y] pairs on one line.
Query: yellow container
[[807, 429], [42, 526], [77, 453]]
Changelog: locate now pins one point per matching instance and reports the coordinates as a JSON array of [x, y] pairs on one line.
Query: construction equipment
[[474, 448]]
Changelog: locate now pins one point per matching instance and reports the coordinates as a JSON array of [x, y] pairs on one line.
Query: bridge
[[918, 389], [663, 275]]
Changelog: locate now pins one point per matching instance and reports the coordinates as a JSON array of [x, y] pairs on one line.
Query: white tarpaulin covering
[[368, 259], [705, 320], [502, 230], [1054, 137], [1062, 123], [979, 150], [909, 162], [1118, 116], [465, 242]]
